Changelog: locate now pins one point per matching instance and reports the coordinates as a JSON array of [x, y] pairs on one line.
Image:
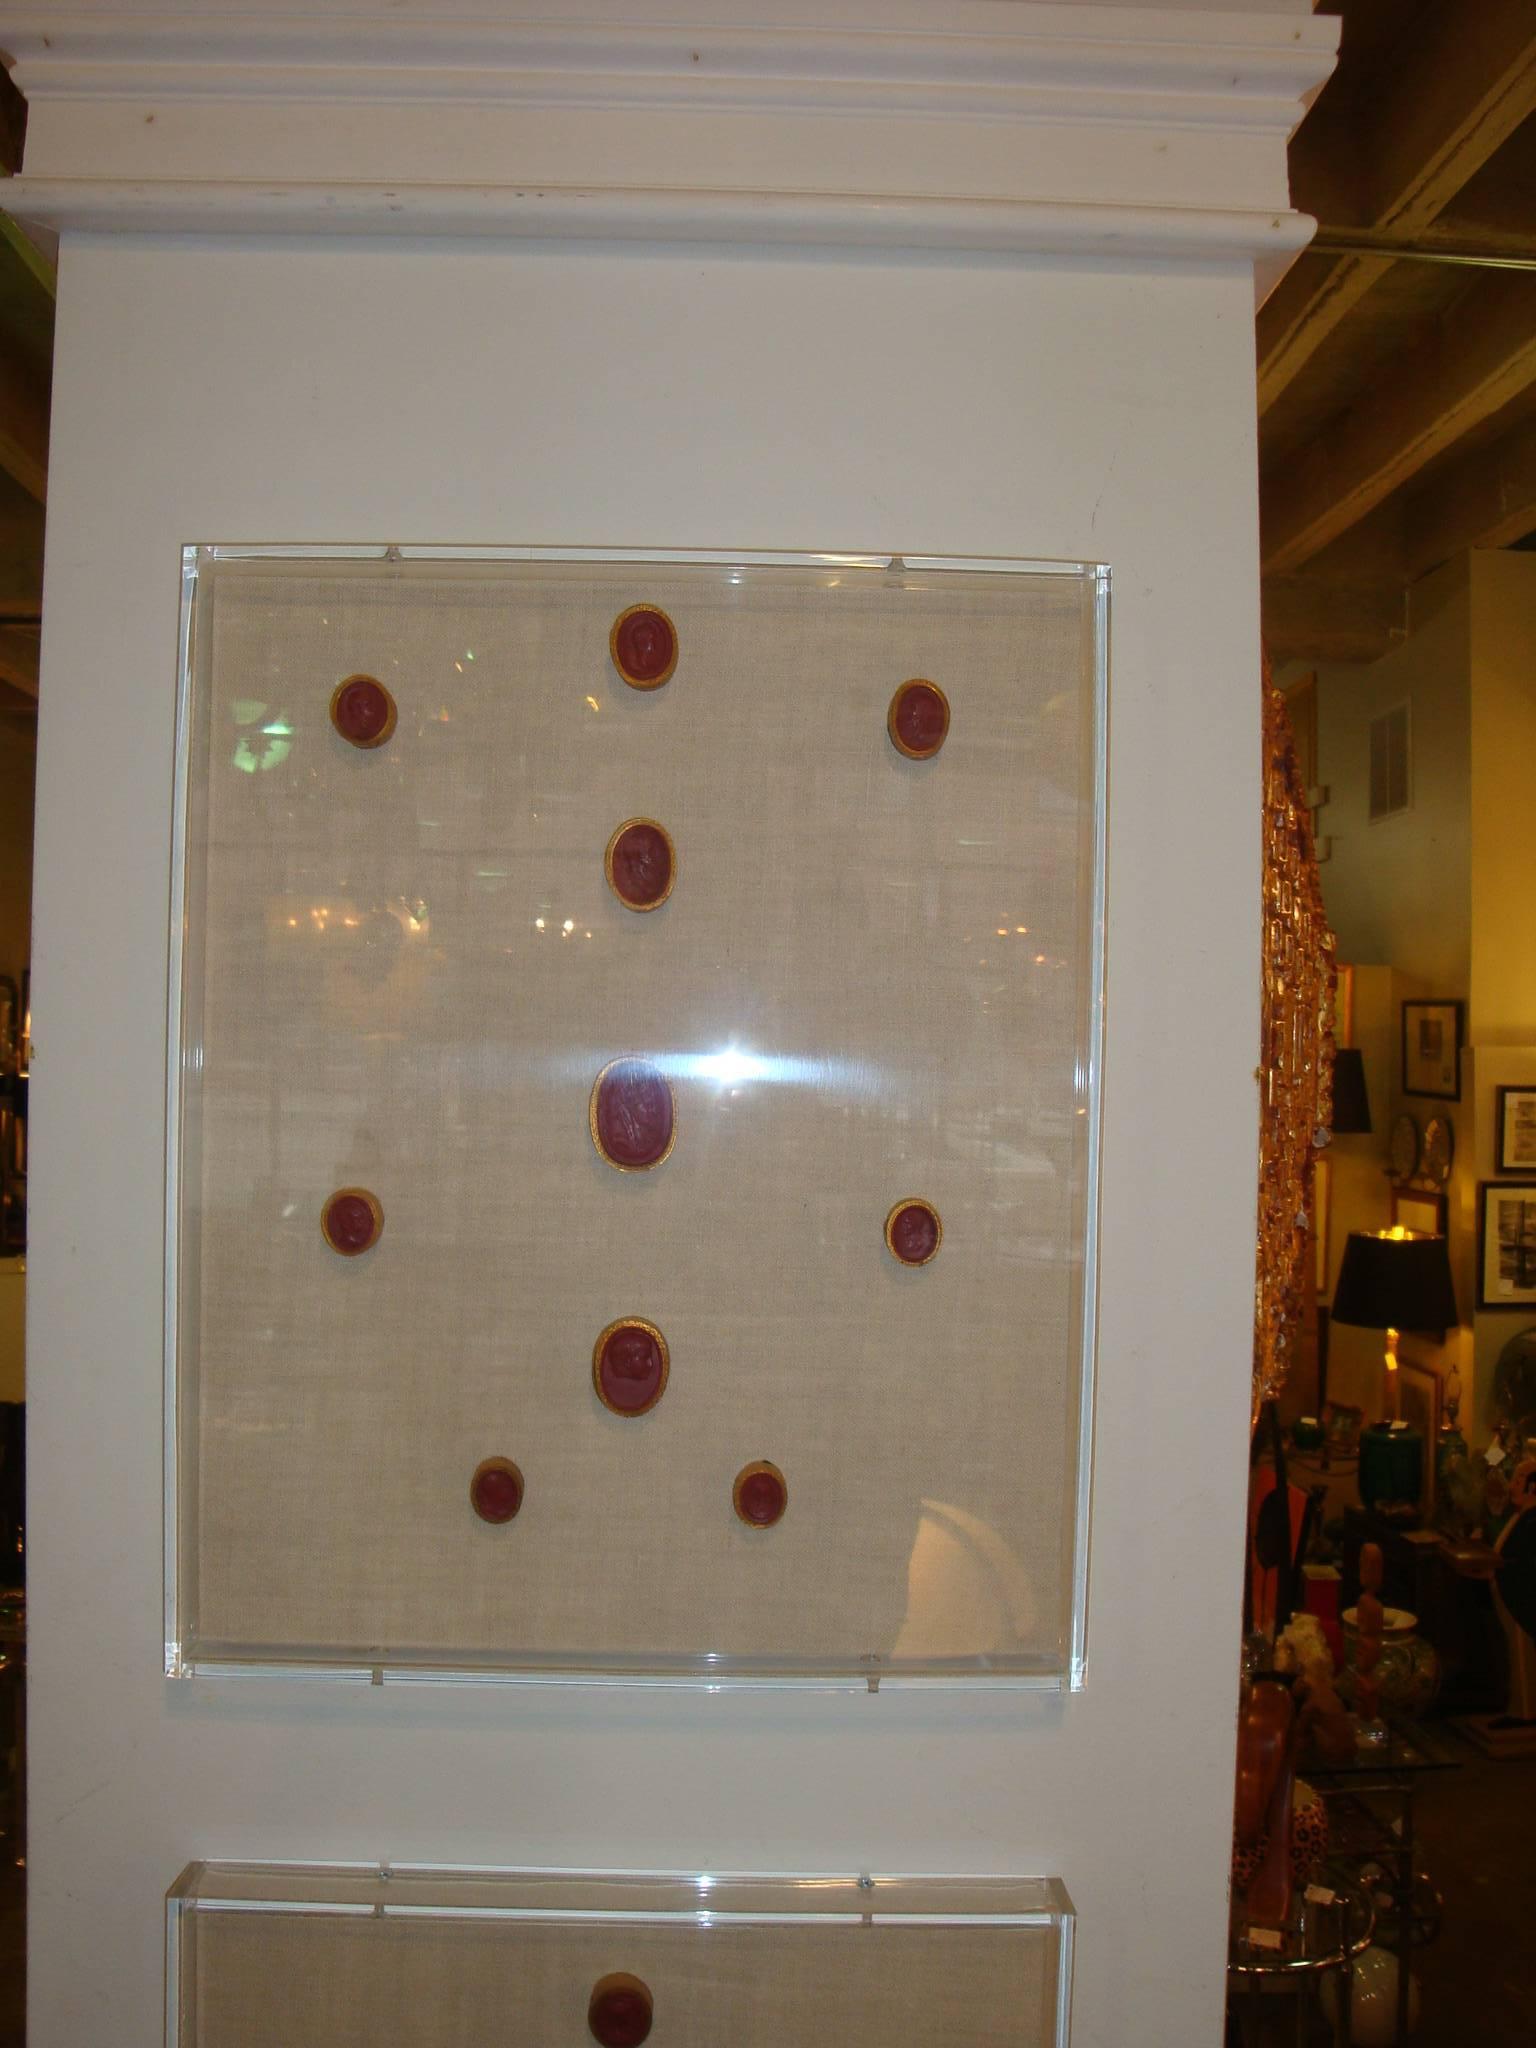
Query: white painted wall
[[206, 391]]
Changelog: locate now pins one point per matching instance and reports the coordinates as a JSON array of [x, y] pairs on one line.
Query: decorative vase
[[1408, 1673]]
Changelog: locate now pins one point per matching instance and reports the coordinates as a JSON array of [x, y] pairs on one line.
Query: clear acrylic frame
[[1024, 648], [304, 1954]]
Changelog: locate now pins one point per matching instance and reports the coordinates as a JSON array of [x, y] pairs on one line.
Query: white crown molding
[[816, 219], [954, 124], [1227, 69]]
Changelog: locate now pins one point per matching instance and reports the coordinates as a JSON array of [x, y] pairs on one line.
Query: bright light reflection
[[733, 1064], [730, 1066]]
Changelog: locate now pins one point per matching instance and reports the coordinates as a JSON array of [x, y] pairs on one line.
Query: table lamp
[[1351, 1104], [1395, 1280]]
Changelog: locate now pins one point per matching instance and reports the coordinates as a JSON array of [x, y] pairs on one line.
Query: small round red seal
[[619, 2011], [641, 864], [352, 1221], [631, 1115], [760, 1495], [913, 1231], [643, 644], [918, 720], [630, 1365], [363, 711], [496, 1490]]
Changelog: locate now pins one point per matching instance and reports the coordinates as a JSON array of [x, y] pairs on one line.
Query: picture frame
[[1420, 1209], [330, 1189], [1515, 1130], [1432, 1041], [1420, 1400], [1342, 1423], [1506, 1244]]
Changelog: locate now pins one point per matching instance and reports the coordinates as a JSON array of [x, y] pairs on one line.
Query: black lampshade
[[1351, 1105], [1395, 1283]]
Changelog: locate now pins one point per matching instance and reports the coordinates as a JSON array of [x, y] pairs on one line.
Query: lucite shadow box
[[634, 1108], [275, 1956]]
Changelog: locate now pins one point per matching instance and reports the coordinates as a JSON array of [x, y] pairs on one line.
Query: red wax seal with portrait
[[918, 720], [363, 711], [496, 1490], [760, 1495], [913, 1231], [630, 1365], [643, 644], [641, 864], [352, 1221], [619, 2011], [631, 1115]]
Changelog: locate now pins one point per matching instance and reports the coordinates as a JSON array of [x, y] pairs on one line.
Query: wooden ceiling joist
[[23, 431], [1477, 357], [18, 659], [1318, 618], [1390, 151], [1484, 499]]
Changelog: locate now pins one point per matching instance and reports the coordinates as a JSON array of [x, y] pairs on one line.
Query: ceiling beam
[[23, 430], [18, 659], [21, 555], [1477, 356], [1483, 499], [1391, 151], [1317, 618]]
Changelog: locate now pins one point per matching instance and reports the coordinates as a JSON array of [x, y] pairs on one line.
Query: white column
[[965, 279]]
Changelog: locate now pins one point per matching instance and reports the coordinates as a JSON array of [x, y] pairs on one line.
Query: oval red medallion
[[913, 1231], [631, 1115], [918, 720], [619, 2011], [630, 1366], [363, 711], [641, 864], [496, 1490], [761, 1494], [352, 1221], [643, 644]]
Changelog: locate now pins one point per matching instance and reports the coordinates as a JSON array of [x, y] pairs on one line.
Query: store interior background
[[1397, 441]]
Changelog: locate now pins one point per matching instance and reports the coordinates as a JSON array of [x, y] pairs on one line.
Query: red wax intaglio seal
[[496, 1490], [643, 644], [641, 864], [619, 2011], [631, 1115], [363, 711], [913, 1231], [918, 720], [352, 1221], [630, 1365], [760, 1495]]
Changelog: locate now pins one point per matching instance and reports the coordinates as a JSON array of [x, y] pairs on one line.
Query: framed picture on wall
[[1432, 1049], [1515, 1130], [1420, 1209], [1506, 1244], [1418, 1395]]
